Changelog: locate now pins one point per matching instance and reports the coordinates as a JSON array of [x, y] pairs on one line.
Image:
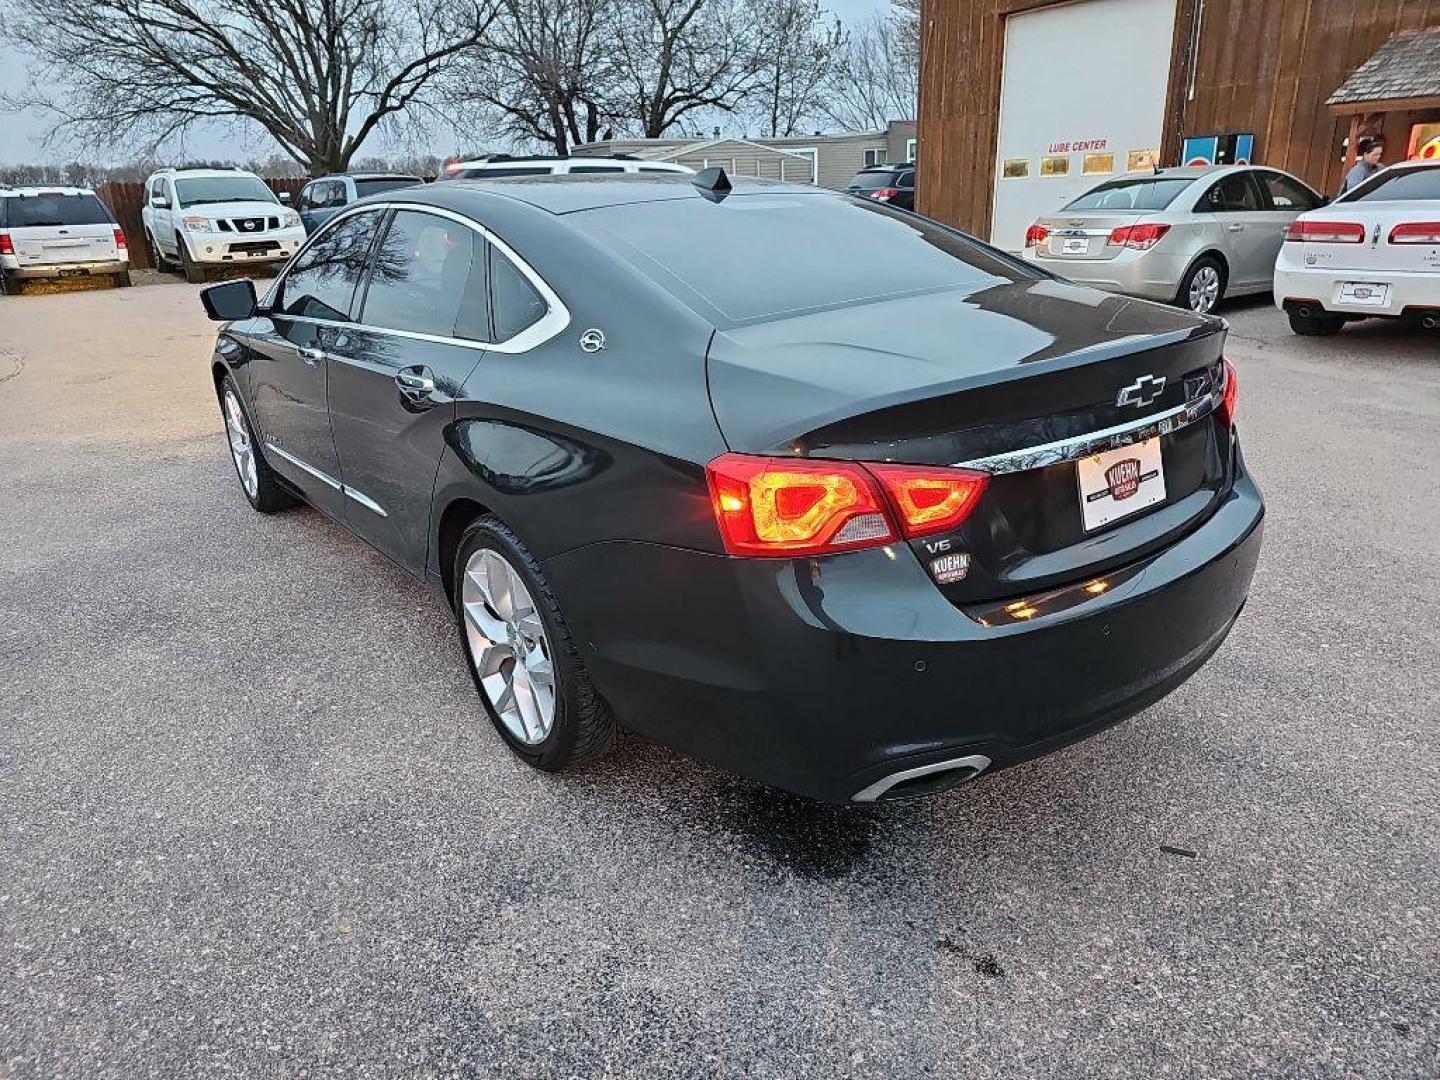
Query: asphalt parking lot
[[253, 823]]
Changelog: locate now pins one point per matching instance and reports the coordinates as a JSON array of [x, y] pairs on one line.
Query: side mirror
[[284, 197], [159, 202], [229, 300]]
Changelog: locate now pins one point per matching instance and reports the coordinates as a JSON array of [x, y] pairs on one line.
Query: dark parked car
[[893, 184], [325, 196], [859, 528]]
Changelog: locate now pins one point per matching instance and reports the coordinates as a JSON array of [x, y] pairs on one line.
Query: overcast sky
[[20, 133]]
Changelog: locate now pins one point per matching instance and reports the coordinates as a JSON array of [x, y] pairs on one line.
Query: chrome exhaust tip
[[929, 779], [1430, 322]]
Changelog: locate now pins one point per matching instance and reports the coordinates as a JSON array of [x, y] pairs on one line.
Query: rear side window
[[422, 277], [1288, 194], [389, 183], [1233, 194], [515, 303], [1147, 194], [322, 283], [491, 174], [597, 168], [1422, 183], [52, 208]]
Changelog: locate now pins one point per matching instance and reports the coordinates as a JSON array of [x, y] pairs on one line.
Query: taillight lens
[[1139, 237], [1416, 232], [1230, 395], [1036, 235], [7, 246], [1326, 232], [794, 506], [119, 239], [930, 500], [884, 194]]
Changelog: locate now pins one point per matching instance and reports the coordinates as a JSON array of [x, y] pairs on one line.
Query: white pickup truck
[[56, 232], [199, 218]]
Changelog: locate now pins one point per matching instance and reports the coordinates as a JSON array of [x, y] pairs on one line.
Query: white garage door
[[1082, 98]]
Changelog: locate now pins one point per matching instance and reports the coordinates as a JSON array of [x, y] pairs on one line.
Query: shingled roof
[[1406, 66]]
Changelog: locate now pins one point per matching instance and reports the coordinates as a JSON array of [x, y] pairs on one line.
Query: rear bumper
[[57, 270], [1153, 274], [1408, 292], [826, 676]]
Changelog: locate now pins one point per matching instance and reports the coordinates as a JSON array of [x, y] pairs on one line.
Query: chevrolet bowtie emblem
[[1143, 391]]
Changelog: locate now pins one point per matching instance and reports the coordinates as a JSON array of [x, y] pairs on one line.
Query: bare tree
[[876, 77], [318, 75], [676, 57], [796, 49]]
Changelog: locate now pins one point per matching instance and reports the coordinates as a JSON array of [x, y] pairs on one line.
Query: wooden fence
[[125, 201]]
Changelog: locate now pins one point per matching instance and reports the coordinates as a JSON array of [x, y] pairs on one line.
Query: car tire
[[10, 286], [513, 651], [122, 280], [1203, 286], [258, 481], [1315, 325], [157, 257], [194, 273]]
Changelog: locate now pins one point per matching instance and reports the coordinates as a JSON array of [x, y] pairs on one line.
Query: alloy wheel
[[508, 646], [242, 448], [1204, 289]]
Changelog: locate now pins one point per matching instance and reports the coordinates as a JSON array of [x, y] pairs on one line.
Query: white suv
[[55, 233], [213, 217], [497, 165]]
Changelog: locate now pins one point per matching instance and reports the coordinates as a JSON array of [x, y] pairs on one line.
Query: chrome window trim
[[553, 322], [1095, 442], [325, 478]]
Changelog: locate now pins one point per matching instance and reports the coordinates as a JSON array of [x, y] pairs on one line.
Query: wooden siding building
[[1260, 67]]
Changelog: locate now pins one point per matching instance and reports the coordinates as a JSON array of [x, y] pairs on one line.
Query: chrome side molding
[[328, 480]]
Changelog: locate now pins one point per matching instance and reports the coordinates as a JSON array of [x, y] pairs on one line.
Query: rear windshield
[[869, 181], [758, 256], [199, 190], [53, 209], [1401, 184], [389, 183], [1149, 193]]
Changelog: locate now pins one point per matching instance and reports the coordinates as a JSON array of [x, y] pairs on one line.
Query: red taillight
[[1416, 232], [1326, 232], [884, 194], [1139, 237], [119, 239], [930, 500], [1036, 235], [7, 246], [1230, 395], [785, 507], [794, 506]]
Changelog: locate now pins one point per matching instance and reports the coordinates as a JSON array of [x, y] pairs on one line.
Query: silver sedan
[[1186, 236]]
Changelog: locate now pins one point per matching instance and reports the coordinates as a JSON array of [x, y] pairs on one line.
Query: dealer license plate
[[1118, 483], [1075, 245], [1364, 293]]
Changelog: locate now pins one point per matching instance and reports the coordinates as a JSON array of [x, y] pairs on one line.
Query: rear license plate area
[[1363, 293], [73, 272], [1119, 483]]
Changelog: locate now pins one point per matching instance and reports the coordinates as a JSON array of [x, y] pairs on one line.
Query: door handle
[[311, 355], [415, 383]]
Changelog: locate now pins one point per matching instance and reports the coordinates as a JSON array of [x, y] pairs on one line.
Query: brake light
[[1138, 237], [1230, 395], [1036, 235], [929, 500], [119, 239], [1416, 232], [793, 506], [1326, 232], [7, 246], [884, 194]]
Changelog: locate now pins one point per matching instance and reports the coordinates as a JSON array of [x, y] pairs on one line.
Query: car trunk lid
[[1375, 223], [995, 379], [1084, 237]]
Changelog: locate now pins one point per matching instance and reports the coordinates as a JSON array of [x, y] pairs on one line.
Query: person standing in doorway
[[1366, 165]]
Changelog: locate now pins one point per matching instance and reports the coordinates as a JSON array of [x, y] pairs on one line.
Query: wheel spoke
[[497, 581]]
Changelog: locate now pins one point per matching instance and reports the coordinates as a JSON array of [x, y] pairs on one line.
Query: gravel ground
[[253, 824]]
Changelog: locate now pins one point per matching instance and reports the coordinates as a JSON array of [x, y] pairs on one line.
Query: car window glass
[[52, 208], [421, 274], [200, 190], [652, 168], [1231, 194], [1288, 194], [376, 185], [322, 282], [1141, 194], [1414, 183], [876, 178], [515, 304], [907, 179], [490, 174], [597, 168]]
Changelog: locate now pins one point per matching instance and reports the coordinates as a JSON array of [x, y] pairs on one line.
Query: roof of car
[[44, 189], [564, 194], [204, 172], [368, 176]]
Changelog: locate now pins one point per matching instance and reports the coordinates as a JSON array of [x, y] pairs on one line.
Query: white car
[[1375, 251], [199, 218], [58, 232], [497, 165]]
